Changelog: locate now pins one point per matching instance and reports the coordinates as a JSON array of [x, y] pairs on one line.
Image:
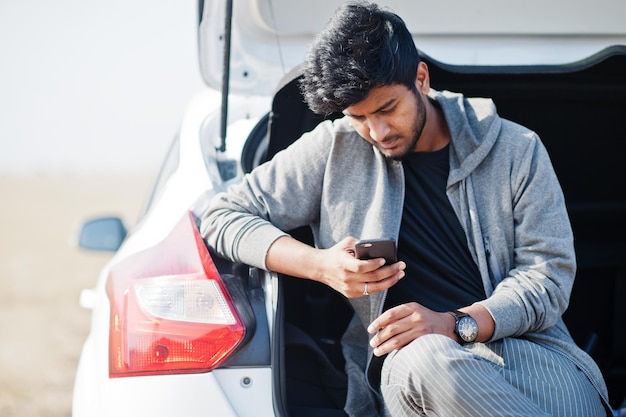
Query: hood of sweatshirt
[[474, 128]]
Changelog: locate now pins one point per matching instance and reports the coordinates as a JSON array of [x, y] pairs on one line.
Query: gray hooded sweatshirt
[[502, 188]]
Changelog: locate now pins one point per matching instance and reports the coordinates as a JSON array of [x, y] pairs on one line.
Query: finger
[[347, 244], [380, 322], [396, 342], [364, 266], [378, 284], [393, 336], [387, 271], [393, 315]]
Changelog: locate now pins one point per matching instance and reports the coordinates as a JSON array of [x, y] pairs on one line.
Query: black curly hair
[[362, 47]]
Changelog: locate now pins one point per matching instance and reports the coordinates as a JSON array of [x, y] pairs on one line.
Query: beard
[[415, 131]]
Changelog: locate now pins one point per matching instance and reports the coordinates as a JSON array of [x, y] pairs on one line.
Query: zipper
[[397, 234], [384, 294], [487, 246]]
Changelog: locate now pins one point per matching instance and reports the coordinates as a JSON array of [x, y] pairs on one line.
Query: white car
[[178, 331]]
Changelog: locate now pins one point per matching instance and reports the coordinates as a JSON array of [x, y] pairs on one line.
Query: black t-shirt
[[440, 274]]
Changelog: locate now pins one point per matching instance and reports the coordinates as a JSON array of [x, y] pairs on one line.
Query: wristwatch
[[465, 327]]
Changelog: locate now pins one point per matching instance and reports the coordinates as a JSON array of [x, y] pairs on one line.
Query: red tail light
[[170, 310]]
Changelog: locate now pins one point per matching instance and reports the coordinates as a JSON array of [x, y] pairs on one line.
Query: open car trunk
[[579, 111]]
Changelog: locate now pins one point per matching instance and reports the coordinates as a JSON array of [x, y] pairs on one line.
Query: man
[[469, 321]]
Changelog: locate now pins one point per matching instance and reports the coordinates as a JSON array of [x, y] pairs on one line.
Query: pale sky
[[93, 86]]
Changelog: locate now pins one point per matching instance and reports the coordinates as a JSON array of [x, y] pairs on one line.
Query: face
[[391, 118]]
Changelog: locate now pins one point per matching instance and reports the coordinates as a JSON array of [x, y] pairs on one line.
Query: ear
[[422, 79]]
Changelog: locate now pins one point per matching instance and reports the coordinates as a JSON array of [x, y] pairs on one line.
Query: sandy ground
[[42, 326]]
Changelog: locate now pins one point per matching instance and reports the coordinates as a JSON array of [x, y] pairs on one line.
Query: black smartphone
[[376, 248]]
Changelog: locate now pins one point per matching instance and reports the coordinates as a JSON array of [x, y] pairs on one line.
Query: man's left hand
[[399, 326]]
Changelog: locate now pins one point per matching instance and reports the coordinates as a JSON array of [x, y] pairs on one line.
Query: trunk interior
[[579, 111]]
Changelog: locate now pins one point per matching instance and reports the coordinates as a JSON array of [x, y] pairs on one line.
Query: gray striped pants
[[435, 376]]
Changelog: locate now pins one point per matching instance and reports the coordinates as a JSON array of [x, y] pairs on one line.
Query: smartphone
[[376, 248]]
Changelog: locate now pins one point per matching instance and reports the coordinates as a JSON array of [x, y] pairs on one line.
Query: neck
[[436, 134]]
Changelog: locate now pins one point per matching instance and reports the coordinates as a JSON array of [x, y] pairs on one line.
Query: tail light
[[170, 310]]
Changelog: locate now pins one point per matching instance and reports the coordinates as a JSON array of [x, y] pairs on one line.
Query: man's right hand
[[336, 266]]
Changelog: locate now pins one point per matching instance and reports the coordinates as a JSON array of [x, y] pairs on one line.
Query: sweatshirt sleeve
[[280, 195], [535, 292]]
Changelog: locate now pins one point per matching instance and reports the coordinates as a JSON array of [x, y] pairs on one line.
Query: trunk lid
[[270, 37]]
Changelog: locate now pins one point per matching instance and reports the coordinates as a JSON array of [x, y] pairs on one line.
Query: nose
[[378, 128]]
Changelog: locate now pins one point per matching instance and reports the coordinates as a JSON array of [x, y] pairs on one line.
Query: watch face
[[468, 329]]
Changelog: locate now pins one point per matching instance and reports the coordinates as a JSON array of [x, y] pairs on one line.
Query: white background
[[93, 86]]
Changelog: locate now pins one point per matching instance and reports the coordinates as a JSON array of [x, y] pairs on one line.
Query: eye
[[357, 119], [388, 110]]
